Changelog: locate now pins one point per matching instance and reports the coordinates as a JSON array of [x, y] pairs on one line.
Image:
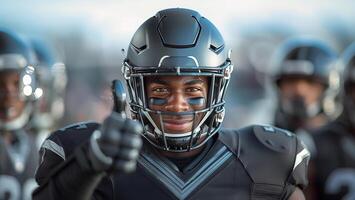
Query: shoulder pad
[[273, 138], [78, 126], [299, 175], [63, 141], [267, 153]]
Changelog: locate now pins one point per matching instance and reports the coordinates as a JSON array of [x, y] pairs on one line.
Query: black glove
[[115, 145]]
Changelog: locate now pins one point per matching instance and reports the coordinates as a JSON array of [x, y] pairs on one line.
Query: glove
[[115, 146]]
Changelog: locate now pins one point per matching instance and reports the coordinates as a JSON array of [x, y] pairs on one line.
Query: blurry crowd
[[313, 87]]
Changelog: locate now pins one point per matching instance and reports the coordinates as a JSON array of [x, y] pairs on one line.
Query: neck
[[188, 154]]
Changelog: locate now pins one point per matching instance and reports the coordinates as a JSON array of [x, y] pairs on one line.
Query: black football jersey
[[18, 162], [335, 162], [257, 162]]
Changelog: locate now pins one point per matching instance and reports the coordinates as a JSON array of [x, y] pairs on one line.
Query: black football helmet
[[310, 59], [177, 42], [16, 55]]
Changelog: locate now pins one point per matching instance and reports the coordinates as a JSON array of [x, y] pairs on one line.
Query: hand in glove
[[116, 145]]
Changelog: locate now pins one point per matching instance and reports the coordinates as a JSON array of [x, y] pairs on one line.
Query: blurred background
[[89, 37]]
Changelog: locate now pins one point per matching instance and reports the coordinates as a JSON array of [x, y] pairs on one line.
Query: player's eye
[[160, 90], [193, 89]]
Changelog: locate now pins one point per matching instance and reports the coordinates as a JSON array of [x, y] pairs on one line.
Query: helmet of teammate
[[348, 94], [177, 42], [309, 59], [52, 81], [17, 58]]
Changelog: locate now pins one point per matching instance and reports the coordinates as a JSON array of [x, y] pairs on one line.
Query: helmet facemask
[[313, 61], [296, 105], [206, 115]]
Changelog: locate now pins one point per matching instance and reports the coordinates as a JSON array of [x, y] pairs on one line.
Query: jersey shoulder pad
[[63, 141], [267, 153]]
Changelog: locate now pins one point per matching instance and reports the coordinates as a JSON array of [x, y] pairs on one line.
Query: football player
[[333, 176], [177, 71], [18, 93], [303, 85], [302, 81]]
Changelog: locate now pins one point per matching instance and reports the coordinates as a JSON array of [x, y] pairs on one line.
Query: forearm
[[113, 148], [73, 179]]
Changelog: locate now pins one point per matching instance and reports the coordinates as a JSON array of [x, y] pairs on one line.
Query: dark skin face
[[310, 90], [11, 105], [177, 94]]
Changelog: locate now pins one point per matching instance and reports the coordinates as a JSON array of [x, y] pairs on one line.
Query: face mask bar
[[202, 129], [178, 142], [159, 134]]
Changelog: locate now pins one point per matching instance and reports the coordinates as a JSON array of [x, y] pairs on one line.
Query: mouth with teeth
[[177, 125]]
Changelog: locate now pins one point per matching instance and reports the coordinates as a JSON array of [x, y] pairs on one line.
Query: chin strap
[[19, 121]]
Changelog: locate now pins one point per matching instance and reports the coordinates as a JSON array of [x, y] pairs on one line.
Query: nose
[[300, 88], [177, 103], [8, 90]]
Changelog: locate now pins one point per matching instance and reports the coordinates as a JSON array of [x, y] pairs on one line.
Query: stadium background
[[89, 37]]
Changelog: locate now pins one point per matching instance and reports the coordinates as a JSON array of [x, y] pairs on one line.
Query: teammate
[[302, 80], [303, 85], [18, 93], [177, 70], [334, 161]]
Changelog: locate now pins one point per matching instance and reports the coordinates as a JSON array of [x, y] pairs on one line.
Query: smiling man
[[177, 70], [177, 94]]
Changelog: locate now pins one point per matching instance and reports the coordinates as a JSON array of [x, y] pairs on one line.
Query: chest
[[17, 168], [224, 177], [336, 169]]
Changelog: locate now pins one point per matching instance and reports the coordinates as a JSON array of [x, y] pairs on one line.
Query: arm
[[70, 179], [113, 148], [283, 169], [299, 175]]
